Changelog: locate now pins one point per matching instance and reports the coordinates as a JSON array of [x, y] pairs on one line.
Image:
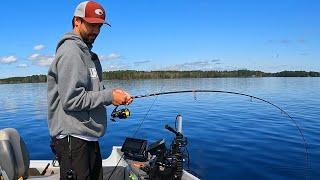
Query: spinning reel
[[123, 113]]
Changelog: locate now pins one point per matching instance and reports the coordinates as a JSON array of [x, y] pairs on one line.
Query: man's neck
[[76, 31]]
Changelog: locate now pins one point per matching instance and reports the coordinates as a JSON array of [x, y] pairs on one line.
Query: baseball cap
[[91, 12]]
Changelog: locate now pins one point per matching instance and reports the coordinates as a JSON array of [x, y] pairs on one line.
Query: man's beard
[[88, 38]]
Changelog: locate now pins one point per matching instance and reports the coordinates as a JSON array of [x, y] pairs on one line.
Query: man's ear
[[77, 21]]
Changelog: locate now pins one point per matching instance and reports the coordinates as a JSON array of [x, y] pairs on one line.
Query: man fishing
[[77, 97]]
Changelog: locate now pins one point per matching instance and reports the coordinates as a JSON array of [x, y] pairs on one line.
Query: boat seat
[[14, 156]]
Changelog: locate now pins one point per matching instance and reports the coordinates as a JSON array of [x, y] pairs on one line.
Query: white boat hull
[[53, 172]]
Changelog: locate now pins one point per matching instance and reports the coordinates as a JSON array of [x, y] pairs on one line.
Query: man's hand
[[120, 97]]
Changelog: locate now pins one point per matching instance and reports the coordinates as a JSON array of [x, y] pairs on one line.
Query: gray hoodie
[[76, 96]]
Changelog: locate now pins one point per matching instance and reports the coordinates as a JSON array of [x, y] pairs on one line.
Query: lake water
[[229, 136]]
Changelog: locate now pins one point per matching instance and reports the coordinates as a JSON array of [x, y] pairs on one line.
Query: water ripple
[[229, 136]]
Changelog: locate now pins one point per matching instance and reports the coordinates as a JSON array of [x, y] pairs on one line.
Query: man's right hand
[[120, 97]]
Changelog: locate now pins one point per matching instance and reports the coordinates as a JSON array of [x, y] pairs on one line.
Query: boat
[[133, 160]]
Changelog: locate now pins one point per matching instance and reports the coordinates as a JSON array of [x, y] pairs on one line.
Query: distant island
[[132, 74]]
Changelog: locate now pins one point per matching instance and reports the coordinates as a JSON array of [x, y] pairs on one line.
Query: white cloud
[[22, 65], [112, 56], [304, 54], [38, 47], [138, 63], [302, 41], [34, 56], [215, 60], [41, 60], [288, 41], [8, 59], [197, 65], [45, 60], [117, 67], [285, 41]]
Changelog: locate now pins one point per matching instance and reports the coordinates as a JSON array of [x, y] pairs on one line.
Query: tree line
[[132, 74]]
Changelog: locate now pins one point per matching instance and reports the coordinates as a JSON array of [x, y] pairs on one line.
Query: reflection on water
[[229, 136]]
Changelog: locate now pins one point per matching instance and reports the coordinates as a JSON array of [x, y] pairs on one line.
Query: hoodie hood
[[74, 37]]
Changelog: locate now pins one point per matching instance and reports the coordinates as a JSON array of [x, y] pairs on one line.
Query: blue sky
[[267, 35]]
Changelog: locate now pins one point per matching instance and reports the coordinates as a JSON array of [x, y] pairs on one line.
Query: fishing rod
[[234, 93]]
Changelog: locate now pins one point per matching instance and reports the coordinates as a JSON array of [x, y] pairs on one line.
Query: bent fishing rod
[[235, 93], [224, 92]]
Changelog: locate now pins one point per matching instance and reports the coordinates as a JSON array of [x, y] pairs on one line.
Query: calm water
[[229, 136]]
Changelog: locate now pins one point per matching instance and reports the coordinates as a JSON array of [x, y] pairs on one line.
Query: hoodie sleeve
[[73, 79]]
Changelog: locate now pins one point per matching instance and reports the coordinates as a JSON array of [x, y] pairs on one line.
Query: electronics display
[[135, 149]]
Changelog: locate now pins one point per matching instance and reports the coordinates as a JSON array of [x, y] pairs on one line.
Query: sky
[[265, 35]]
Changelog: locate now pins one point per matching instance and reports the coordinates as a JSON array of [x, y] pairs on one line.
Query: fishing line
[[144, 118], [241, 94], [134, 135]]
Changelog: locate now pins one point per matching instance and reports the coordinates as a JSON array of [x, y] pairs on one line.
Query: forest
[[133, 74]]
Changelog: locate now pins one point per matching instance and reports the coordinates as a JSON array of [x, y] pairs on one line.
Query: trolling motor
[[169, 164], [160, 162], [121, 113]]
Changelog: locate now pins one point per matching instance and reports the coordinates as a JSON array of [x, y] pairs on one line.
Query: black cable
[[308, 165]]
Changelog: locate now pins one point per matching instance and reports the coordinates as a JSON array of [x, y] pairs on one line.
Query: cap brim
[[97, 21]]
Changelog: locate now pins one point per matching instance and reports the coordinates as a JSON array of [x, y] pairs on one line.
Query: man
[[77, 98]]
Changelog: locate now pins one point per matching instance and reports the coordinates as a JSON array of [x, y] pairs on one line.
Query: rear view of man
[[77, 98]]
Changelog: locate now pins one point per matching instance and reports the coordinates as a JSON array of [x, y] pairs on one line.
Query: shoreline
[[131, 74]]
